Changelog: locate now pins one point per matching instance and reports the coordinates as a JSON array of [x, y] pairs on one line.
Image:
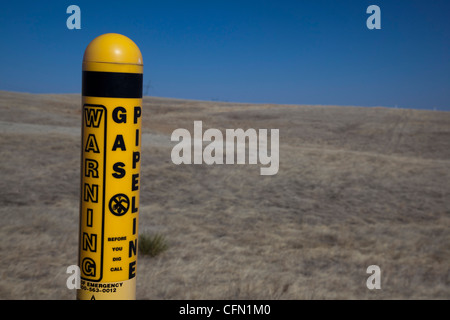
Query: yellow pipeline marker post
[[110, 168]]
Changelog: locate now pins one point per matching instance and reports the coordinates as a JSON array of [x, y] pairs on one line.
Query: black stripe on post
[[112, 84]]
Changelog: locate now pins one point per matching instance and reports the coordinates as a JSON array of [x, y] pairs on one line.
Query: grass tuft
[[152, 245]]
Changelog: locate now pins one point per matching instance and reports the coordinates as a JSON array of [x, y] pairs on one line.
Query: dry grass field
[[355, 187]]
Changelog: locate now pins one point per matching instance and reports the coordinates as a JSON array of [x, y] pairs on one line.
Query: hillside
[[355, 187]]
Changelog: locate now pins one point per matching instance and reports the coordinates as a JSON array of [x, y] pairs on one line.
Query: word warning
[[110, 186]]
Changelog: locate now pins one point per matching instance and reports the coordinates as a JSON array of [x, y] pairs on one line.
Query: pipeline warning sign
[[112, 75], [109, 207]]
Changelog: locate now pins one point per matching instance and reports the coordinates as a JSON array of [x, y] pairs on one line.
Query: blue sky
[[289, 52]]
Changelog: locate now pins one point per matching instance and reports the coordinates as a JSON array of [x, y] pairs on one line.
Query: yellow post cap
[[112, 48]]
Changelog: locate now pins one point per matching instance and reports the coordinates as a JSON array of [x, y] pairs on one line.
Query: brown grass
[[356, 187]]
